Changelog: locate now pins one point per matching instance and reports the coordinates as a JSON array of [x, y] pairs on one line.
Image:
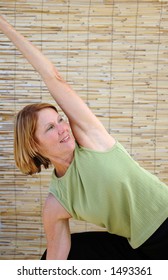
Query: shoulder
[[53, 210]]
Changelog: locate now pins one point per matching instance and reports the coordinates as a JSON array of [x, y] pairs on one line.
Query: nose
[[60, 128]]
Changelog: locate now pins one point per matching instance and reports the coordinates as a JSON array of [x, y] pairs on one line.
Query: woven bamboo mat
[[115, 55]]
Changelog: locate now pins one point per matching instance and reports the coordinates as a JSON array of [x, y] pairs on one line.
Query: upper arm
[[86, 127], [56, 226]]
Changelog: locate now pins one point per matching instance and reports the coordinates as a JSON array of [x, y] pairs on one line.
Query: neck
[[60, 170], [61, 166]]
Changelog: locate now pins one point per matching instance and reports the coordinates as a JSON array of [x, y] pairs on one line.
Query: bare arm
[[86, 127], [56, 226]]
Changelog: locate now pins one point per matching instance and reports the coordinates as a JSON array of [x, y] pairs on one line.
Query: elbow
[[51, 74]]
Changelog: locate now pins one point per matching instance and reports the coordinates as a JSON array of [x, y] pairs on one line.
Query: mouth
[[65, 139]]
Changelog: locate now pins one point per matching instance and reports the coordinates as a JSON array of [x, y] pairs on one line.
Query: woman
[[94, 178]]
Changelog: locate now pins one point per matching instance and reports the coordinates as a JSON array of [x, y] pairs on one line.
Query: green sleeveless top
[[111, 190]]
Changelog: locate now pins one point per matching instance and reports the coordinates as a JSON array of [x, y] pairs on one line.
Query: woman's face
[[55, 140]]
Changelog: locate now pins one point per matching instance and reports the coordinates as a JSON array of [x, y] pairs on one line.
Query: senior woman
[[94, 178]]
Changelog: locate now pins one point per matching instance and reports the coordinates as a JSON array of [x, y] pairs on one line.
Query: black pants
[[106, 246]]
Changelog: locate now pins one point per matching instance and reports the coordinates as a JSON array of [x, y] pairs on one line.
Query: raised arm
[[86, 127]]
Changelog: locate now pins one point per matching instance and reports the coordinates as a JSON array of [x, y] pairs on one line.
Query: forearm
[[56, 85], [29, 51]]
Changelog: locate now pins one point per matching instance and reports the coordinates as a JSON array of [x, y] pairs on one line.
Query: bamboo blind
[[115, 55]]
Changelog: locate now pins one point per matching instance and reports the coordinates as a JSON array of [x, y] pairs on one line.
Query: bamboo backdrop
[[115, 54]]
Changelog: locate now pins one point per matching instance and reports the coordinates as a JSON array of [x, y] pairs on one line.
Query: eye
[[51, 126], [61, 119]]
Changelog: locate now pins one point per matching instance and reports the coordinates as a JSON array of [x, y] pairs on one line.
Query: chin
[[70, 144]]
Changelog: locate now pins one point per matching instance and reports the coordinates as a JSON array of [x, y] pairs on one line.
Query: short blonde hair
[[27, 159]]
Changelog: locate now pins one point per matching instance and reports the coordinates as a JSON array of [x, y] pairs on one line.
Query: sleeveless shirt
[[110, 189]]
